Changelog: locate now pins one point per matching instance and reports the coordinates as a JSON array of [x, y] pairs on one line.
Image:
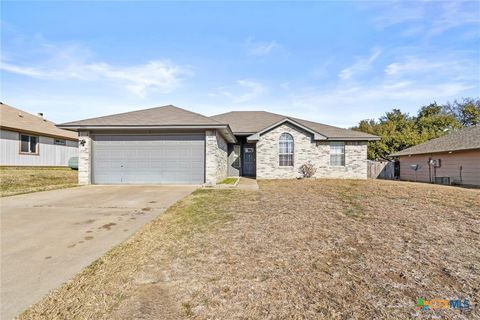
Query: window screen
[[337, 153], [28, 144], [285, 150]]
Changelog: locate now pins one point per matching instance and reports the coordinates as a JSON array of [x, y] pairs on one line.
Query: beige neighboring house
[[171, 145], [31, 140], [450, 159]]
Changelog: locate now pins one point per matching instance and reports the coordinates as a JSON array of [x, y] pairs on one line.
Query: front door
[[249, 169]]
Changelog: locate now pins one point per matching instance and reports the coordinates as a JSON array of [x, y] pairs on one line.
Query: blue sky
[[331, 62]]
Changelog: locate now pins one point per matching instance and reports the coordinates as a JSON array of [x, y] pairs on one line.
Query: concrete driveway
[[48, 237]]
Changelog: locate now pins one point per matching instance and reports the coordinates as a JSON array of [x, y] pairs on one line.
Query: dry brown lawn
[[18, 180], [294, 250]]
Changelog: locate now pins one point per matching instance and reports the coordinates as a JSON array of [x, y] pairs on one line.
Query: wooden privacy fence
[[381, 169]]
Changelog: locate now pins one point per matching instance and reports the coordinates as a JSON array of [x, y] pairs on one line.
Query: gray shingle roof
[[166, 115], [19, 120], [464, 139], [246, 122], [254, 121]]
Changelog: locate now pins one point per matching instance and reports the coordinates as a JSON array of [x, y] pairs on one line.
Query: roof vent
[[40, 114], [20, 115]]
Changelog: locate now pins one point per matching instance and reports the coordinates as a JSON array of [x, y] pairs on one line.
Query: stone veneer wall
[[84, 158], [216, 157], [306, 149]]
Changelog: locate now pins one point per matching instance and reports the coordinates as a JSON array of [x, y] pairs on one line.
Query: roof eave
[[38, 133], [316, 136], [256, 136], [373, 138], [408, 154], [223, 128]]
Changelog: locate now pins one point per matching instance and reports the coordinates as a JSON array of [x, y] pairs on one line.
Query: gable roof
[[464, 139], [256, 136], [18, 120], [251, 122], [159, 116], [166, 117]]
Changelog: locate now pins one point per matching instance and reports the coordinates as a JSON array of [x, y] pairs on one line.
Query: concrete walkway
[[48, 237], [248, 184]]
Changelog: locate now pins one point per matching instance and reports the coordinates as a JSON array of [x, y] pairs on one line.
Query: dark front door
[[249, 160]]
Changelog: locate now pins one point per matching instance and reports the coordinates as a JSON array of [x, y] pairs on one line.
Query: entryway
[[249, 160]]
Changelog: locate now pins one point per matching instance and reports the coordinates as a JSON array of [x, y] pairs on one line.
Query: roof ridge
[[22, 111], [116, 114], [41, 118], [454, 136], [17, 119], [196, 113], [143, 110]]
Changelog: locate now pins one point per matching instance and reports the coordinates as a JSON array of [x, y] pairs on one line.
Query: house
[[171, 145], [31, 140], [451, 159]]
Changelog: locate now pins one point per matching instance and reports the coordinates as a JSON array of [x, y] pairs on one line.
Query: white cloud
[[427, 18], [64, 63], [285, 85], [243, 91], [407, 82], [257, 48], [435, 68], [361, 65], [410, 65], [455, 14], [358, 102]]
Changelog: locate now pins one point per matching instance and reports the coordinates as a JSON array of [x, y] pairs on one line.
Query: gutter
[[226, 131], [38, 133]]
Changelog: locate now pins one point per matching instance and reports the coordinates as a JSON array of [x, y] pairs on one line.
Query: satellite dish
[[415, 167]]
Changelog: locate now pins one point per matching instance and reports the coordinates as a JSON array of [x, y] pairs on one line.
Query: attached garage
[[148, 159], [162, 145]]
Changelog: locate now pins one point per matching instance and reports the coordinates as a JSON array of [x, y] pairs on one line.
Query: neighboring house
[[29, 140], [451, 159], [173, 145]]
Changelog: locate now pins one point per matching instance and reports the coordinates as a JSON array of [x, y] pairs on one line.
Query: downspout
[[429, 170]]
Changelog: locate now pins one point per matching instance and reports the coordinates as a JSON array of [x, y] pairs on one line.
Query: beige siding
[[463, 167], [49, 154]]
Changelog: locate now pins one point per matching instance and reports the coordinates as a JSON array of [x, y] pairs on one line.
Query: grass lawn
[[229, 181], [17, 180], [294, 249]]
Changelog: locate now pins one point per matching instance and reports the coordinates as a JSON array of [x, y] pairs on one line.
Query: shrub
[[307, 170]]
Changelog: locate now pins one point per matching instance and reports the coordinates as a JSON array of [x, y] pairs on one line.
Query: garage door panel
[[127, 159]]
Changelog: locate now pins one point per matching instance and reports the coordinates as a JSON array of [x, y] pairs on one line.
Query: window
[[337, 153], [60, 142], [28, 144], [285, 150]]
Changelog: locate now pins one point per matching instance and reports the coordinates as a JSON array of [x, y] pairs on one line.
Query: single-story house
[[171, 145], [451, 159], [31, 140]]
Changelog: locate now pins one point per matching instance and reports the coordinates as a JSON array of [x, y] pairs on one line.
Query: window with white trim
[[28, 144], [285, 150], [60, 142], [337, 153]]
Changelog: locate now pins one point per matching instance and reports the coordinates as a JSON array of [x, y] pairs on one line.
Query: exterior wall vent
[[443, 180]]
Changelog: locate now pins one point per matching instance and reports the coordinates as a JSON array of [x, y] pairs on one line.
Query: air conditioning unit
[[437, 163], [443, 180]]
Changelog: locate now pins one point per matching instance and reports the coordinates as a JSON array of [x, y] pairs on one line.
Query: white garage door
[[148, 159]]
